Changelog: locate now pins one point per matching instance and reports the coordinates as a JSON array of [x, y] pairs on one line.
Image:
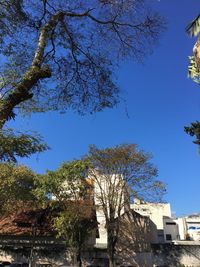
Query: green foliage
[[75, 223], [130, 163], [70, 190], [79, 42], [194, 130], [68, 182], [16, 188], [14, 145], [121, 173]]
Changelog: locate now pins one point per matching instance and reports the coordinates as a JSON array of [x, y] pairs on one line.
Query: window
[[170, 223], [168, 237]]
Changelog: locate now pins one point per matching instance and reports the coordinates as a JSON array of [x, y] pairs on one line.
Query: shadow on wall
[[42, 257], [134, 245], [169, 255]]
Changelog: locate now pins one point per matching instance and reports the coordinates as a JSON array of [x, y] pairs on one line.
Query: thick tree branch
[[22, 92], [37, 71]]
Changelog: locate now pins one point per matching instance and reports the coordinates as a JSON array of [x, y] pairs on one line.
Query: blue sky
[[159, 101]]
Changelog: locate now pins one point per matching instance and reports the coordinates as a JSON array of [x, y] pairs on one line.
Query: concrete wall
[[176, 255], [182, 228], [134, 243]]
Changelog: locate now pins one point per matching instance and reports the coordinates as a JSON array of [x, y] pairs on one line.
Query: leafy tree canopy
[[66, 183], [16, 188], [194, 130], [71, 197], [61, 54], [14, 145], [120, 173], [133, 165]]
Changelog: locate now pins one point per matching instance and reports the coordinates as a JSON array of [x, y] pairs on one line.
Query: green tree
[[76, 224], [70, 190], [59, 54], [17, 185], [14, 145], [16, 188], [119, 174], [72, 210], [194, 130]]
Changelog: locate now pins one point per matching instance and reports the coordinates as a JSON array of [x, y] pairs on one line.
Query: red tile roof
[[25, 222]]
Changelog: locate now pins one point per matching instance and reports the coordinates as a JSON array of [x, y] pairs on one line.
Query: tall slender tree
[[121, 173]]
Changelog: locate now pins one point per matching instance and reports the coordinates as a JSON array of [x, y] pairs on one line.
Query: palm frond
[[193, 29]]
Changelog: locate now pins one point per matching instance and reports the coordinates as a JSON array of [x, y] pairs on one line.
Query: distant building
[[189, 227], [169, 229], [160, 215]]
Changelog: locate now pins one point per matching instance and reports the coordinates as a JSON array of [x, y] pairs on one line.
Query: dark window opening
[[170, 223], [168, 237]]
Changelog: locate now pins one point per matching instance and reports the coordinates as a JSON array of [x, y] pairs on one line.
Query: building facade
[[160, 214]]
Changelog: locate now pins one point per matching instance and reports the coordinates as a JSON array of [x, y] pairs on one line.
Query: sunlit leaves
[[16, 188], [132, 165], [193, 70], [193, 29]]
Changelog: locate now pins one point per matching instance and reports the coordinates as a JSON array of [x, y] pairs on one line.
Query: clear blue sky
[[160, 101]]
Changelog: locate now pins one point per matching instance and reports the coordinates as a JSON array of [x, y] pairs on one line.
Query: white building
[[189, 227], [160, 215], [103, 192], [165, 227], [193, 227], [169, 229]]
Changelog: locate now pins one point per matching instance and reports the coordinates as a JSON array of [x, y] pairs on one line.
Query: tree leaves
[[194, 130], [14, 145], [16, 188], [193, 29], [81, 42]]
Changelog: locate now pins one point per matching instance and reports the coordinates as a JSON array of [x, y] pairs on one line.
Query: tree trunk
[[111, 245], [79, 261], [111, 261], [30, 258], [76, 257]]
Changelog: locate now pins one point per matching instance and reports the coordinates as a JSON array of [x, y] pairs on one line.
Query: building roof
[[28, 222]]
